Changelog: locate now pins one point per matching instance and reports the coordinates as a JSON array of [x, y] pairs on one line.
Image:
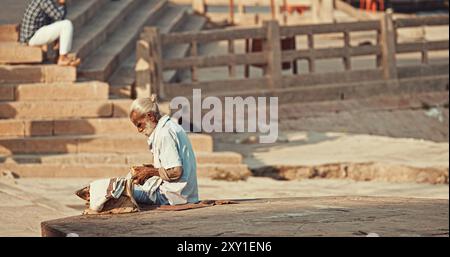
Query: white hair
[[143, 106]]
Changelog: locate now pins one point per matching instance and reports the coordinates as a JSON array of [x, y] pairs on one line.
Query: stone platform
[[317, 216]]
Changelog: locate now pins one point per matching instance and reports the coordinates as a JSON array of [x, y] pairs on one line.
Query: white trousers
[[47, 34]]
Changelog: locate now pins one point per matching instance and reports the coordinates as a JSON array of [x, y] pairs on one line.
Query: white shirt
[[171, 148]]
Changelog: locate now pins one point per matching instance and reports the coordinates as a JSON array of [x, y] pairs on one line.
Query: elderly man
[[172, 179], [44, 22]]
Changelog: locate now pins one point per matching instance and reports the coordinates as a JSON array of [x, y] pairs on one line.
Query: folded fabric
[[109, 194]]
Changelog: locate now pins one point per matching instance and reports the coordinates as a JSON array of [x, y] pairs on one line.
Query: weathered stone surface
[[114, 158], [94, 126], [9, 33], [225, 172], [297, 217], [359, 172], [202, 158], [55, 73], [408, 123], [38, 128], [15, 53], [69, 127], [376, 103], [89, 144], [55, 109], [11, 128], [121, 108], [38, 145], [133, 144], [6, 93], [231, 172], [37, 74], [62, 91]]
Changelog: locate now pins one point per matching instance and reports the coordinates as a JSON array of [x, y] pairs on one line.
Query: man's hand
[[141, 174]]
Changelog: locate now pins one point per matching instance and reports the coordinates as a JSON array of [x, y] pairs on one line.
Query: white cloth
[[99, 192], [47, 34]]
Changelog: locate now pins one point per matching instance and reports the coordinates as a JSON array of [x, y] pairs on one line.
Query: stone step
[[294, 115], [7, 92], [83, 91], [36, 74], [195, 23], [91, 36], [66, 127], [412, 101], [80, 12], [16, 53], [122, 80], [171, 19], [232, 172], [64, 109], [102, 62], [9, 33], [115, 159], [319, 92], [90, 144]]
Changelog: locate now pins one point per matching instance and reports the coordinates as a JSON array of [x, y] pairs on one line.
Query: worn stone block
[[62, 91], [16, 53]]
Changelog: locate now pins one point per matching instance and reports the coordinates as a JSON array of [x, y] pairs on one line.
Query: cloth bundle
[[112, 196]]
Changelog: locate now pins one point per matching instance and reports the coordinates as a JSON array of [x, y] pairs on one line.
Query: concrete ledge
[[36, 74], [84, 91], [9, 33], [114, 159], [50, 109], [90, 144], [55, 109], [229, 172], [16, 53], [7, 93], [319, 216]]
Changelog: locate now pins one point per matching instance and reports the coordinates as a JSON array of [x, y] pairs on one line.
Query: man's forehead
[[134, 116]]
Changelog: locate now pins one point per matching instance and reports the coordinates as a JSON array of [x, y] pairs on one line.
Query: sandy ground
[[314, 148]]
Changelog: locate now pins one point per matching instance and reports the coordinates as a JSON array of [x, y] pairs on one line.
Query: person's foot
[[68, 61], [84, 193]]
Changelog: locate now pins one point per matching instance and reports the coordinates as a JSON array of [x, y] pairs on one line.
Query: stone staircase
[[73, 129], [66, 122]]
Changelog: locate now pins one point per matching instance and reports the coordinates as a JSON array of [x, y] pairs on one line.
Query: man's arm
[[141, 174], [57, 13], [171, 165], [171, 175]]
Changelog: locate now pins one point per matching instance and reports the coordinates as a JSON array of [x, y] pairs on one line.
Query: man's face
[[145, 124]]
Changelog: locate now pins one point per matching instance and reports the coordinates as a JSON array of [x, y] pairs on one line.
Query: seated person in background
[[43, 23]]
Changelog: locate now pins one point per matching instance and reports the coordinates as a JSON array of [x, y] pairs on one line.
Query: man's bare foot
[[65, 60]]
